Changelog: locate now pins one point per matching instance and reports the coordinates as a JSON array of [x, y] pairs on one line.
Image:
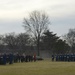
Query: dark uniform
[[52, 57], [4, 59], [10, 58]]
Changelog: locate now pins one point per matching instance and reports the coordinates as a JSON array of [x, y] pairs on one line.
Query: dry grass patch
[[45, 67]]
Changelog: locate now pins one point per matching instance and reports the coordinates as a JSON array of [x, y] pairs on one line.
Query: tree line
[[37, 37], [23, 42]]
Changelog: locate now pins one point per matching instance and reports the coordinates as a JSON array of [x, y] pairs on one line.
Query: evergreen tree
[[52, 42]]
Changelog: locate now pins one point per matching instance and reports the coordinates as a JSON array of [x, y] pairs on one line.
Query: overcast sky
[[61, 13]]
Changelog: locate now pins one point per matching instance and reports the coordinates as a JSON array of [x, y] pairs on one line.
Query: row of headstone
[[68, 57], [14, 58]]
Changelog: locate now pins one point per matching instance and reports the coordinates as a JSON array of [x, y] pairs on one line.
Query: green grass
[[45, 67]]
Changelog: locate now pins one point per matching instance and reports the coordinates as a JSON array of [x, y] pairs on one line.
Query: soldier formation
[[63, 57], [14, 58]]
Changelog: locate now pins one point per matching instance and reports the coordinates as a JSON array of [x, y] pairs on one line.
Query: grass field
[[45, 67]]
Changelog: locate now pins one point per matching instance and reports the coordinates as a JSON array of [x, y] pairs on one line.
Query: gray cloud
[[11, 26], [12, 12], [62, 25]]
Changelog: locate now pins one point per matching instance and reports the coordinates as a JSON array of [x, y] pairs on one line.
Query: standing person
[[10, 58], [4, 59], [34, 57], [52, 57], [19, 57]]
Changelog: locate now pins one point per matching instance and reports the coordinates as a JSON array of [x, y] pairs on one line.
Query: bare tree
[[9, 39], [70, 39], [36, 24], [15, 42]]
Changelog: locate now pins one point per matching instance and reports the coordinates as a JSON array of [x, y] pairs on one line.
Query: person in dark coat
[[4, 59], [10, 58], [52, 57]]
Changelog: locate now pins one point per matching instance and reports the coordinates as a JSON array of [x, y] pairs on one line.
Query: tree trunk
[[38, 45]]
